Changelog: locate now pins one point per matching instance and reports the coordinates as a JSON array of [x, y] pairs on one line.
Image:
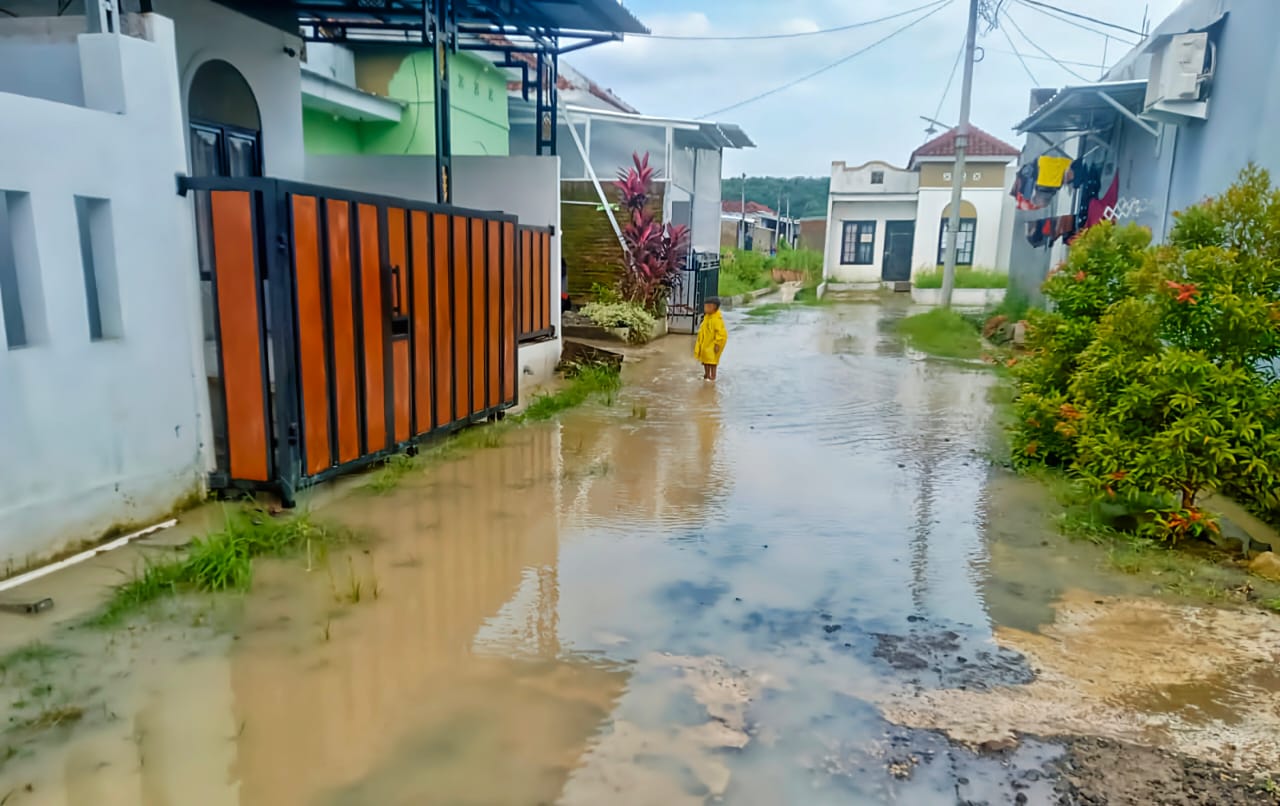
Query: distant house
[[813, 234], [884, 223]]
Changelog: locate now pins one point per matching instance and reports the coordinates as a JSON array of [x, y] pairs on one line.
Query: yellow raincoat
[[712, 336]]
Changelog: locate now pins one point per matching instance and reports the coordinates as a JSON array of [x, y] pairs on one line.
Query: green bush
[[1153, 380], [630, 315], [966, 277]]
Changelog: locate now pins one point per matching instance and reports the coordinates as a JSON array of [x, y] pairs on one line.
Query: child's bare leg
[[713, 371]]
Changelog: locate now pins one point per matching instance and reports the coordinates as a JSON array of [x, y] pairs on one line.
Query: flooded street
[[804, 584]]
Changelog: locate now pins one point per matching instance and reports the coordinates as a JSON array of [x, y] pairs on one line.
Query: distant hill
[[808, 193]]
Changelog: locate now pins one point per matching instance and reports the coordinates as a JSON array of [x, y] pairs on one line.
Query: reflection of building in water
[[387, 700], [666, 467]]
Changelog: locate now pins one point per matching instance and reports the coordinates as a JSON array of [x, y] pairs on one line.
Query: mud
[[803, 584]]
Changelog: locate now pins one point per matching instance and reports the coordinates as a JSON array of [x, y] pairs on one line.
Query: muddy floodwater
[[805, 584]]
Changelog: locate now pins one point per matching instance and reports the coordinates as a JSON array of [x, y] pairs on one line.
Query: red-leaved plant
[[655, 254]]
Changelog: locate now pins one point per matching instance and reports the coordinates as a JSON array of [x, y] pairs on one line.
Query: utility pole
[[962, 145], [791, 235], [777, 223], [742, 228]]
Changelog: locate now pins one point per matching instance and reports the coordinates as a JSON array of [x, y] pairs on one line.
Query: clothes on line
[[1051, 171]]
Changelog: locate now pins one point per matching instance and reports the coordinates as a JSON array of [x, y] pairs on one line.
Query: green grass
[[731, 285], [767, 310], [943, 333], [221, 561], [586, 381], [966, 277], [36, 654]]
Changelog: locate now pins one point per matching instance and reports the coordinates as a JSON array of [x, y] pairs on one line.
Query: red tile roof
[[735, 207], [981, 144]]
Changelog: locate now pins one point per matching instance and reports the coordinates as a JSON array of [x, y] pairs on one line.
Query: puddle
[[793, 586]]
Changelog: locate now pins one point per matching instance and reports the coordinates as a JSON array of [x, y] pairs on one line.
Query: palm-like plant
[[655, 253]]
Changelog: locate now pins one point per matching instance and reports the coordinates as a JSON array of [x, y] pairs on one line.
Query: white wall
[[407, 177], [991, 205], [207, 31], [879, 210], [528, 187], [706, 201], [96, 433], [857, 179], [39, 58]]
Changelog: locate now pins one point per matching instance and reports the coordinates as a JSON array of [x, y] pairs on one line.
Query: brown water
[[702, 592]]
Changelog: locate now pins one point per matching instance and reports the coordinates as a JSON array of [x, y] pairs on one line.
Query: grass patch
[[942, 332], [767, 310], [966, 277], [51, 717], [585, 382], [732, 285], [36, 654], [221, 561]]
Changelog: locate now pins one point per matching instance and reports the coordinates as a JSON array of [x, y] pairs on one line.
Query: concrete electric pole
[[962, 145]]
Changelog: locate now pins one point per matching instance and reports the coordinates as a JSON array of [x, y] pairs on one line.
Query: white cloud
[[866, 108]]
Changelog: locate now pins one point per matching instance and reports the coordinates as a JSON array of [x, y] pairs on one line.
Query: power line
[[1034, 81], [1033, 44], [797, 35], [1040, 58], [1077, 15], [833, 65], [1055, 16], [951, 78]]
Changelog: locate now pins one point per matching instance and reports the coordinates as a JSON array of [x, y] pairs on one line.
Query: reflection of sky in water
[[849, 498]]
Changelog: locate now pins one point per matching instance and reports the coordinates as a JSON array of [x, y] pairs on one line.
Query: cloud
[[867, 108]]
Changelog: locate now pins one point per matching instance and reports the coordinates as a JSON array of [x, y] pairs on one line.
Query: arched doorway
[[966, 235], [225, 126]]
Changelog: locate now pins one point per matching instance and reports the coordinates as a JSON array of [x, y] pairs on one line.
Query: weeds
[[586, 381], [387, 477], [34, 654], [51, 717], [942, 332], [966, 277], [221, 561], [767, 310]]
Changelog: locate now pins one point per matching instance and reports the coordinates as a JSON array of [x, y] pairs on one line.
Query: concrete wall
[[405, 176], [991, 205], [706, 201], [207, 31], [529, 187], [39, 58], [874, 209], [111, 431], [857, 179]]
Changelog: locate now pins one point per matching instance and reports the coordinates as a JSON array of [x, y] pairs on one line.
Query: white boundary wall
[[95, 433]]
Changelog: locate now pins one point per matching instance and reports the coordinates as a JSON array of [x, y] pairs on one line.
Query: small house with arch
[[886, 223]]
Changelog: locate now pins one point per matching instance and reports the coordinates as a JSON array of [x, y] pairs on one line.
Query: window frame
[[853, 257], [877, 177], [961, 258]]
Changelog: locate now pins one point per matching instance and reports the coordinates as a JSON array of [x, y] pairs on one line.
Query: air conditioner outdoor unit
[[1181, 67]]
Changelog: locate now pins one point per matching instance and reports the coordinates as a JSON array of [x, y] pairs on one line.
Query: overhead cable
[[1068, 21], [1033, 44], [795, 35], [833, 65], [1077, 15]]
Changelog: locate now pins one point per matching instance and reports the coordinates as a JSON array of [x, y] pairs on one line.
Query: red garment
[[1098, 207]]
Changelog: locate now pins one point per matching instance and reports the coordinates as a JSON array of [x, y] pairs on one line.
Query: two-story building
[[884, 223]]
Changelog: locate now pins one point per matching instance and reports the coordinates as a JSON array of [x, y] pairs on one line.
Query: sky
[[868, 107]]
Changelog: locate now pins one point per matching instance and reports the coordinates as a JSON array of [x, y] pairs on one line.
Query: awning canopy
[[545, 21], [1088, 107], [685, 133]]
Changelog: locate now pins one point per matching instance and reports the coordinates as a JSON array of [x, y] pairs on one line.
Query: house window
[[858, 246], [877, 177], [964, 241]]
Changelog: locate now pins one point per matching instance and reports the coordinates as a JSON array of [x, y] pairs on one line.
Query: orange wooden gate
[[348, 326], [536, 306]]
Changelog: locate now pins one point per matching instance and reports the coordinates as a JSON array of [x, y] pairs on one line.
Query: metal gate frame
[[698, 280], [535, 303], [325, 376]]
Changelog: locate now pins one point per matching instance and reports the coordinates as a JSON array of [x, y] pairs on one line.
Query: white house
[[190, 301], [885, 223]]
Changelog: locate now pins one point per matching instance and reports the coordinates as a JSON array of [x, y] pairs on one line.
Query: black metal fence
[[699, 279]]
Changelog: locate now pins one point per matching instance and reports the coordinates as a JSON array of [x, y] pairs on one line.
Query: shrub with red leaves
[[655, 253]]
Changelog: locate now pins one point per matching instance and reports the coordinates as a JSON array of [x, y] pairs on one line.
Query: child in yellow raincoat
[[712, 336]]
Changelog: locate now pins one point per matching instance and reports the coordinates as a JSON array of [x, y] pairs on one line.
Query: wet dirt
[[803, 584]]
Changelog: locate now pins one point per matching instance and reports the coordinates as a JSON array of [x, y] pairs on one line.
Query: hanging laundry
[[1024, 188], [1064, 227], [1051, 170], [1098, 207], [1035, 233]]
